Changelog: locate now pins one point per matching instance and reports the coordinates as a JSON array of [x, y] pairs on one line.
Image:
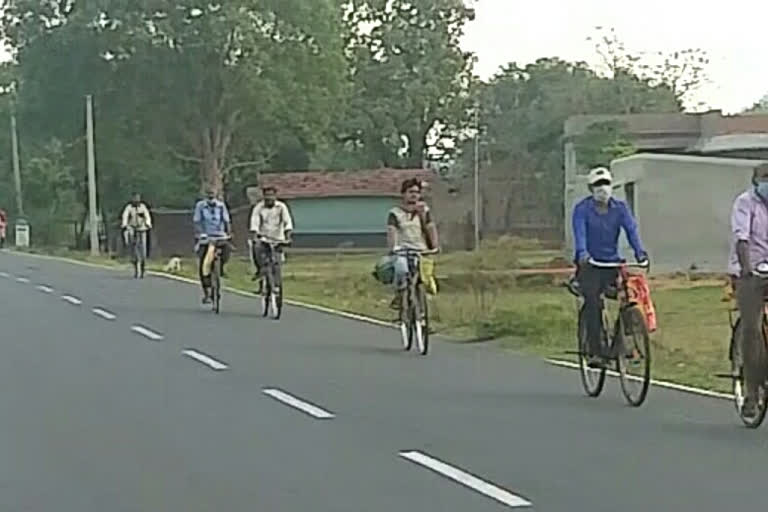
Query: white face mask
[[602, 193]]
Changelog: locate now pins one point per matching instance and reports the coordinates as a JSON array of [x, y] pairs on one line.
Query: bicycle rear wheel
[[592, 379], [634, 356]]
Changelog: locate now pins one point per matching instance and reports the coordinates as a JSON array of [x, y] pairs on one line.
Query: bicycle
[[414, 309], [271, 279], [219, 243], [138, 245], [630, 322], [737, 367]]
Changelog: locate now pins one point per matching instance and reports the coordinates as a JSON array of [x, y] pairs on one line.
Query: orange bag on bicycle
[[640, 293]]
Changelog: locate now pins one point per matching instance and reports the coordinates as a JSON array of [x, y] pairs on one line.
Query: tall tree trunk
[[214, 143]]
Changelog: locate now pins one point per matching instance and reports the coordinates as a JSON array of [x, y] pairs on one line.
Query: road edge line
[[658, 383], [362, 318]]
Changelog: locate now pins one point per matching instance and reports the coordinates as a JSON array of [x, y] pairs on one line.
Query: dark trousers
[[594, 281], [205, 281], [750, 293]]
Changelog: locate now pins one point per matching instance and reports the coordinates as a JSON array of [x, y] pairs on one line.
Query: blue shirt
[[597, 235], [211, 220]]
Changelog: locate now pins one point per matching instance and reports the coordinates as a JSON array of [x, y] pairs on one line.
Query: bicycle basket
[[384, 270]]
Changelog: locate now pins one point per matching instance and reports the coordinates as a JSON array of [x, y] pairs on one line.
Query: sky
[[734, 33]]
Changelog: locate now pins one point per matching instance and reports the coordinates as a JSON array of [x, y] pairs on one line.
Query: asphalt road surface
[[127, 396]]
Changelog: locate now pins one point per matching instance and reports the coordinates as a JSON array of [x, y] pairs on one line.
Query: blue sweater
[[597, 235]]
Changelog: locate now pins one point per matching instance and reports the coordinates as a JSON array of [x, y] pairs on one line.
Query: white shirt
[[132, 217], [271, 222]]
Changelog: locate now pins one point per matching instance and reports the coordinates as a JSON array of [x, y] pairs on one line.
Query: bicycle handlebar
[[406, 251], [272, 242], [206, 238], [618, 264]]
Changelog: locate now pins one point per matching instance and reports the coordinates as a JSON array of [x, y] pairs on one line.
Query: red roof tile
[[378, 182]]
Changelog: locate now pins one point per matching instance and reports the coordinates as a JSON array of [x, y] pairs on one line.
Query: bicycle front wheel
[[406, 324], [592, 379], [216, 286], [740, 384], [634, 356], [421, 321]]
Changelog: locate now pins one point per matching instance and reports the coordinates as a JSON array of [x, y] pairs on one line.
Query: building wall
[[683, 206], [340, 214]]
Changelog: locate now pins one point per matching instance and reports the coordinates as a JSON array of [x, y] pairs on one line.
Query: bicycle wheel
[[406, 331], [421, 322], [266, 296], [277, 295], [216, 285], [634, 356], [141, 253], [740, 385], [277, 304], [592, 379]]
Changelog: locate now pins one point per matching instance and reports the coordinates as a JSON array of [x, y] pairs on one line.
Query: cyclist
[[409, 226], [3, 227], [211, 219], [136, 222], [597, 222], [271, 219], [749, 247]]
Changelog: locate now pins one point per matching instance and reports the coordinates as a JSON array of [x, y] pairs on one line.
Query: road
[[126, 396]]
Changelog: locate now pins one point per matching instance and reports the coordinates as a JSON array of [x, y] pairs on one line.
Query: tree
[[221, 86], [760, 106], [408, 75], [523, 110], [634, 82], [603, 142], [684, 71]]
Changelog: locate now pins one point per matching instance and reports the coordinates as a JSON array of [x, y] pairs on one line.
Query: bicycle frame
[[273, 262]]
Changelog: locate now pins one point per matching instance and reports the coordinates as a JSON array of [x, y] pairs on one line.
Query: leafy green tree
[[408, 75]]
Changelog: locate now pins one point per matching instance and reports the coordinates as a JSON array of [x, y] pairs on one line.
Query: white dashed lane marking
[[466, 479], [72, 300], [205, 359], [299, 404], [103, 313], [147, 333]]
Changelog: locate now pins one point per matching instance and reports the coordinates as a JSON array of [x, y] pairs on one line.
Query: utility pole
[[16, 166], [477, 177], [93, 220]]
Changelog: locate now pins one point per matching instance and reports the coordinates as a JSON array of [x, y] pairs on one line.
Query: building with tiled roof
[[340, 208]]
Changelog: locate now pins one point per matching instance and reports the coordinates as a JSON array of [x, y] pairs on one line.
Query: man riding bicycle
[[136, 222], [271, 219], [409, 226], [211, 220], [3, 227], [597, 222], [749, 248]]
